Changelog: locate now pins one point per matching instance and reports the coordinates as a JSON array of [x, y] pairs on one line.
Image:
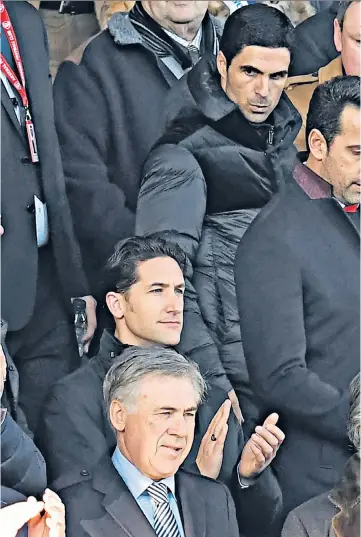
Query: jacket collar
[[346, 496], [110, 347], [124, 33], [125, 512], [210, 99], [331, 70], [311, 183]]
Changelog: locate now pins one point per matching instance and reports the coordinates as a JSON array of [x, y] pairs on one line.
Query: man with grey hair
[[152, 396], [347, 42], [336, 512]]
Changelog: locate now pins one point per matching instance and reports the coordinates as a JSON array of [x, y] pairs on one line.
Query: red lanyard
[[13, 79]]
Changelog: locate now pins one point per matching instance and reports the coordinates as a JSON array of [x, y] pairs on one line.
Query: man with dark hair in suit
[[297, 274], [41, 267]]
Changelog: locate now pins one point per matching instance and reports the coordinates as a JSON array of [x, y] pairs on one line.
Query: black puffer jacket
[[204, 183]]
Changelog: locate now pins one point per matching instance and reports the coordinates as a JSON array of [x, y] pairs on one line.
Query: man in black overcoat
[[297, 276], [41, 267]]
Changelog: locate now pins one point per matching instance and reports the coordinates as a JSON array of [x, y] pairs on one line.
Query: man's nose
[[174, 303], [262, 86], [178, 427]]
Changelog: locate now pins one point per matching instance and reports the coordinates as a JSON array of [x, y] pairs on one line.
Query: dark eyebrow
[[165, 285], [280, 73], [251, 68], [255, 70]]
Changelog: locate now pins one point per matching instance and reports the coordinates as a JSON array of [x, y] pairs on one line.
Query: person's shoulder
[[93, 50], [202, 484], [318, 509], [78, 384]]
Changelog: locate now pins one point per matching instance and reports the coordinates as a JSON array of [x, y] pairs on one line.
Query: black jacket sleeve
[[269, 289], [98, 206], [22, 465], [260, 507], [172, 200]]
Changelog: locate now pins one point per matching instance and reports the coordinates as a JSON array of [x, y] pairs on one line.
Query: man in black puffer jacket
[[229, 140]]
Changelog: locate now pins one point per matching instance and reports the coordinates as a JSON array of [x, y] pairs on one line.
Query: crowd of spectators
[[187, 173]]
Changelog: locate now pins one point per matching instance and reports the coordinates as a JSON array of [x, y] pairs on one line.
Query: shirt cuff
[[3, 412], [245, 482]]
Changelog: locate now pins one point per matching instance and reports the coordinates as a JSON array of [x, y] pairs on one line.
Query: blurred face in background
[[182, 18], [347, 39], [255, 79]]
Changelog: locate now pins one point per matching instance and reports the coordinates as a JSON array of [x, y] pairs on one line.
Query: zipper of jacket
[[271, 134]]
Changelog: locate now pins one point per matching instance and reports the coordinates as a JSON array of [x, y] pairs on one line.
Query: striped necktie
[[165, 524]]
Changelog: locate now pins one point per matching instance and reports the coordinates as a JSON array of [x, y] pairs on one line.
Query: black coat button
[[84, 473], [11, 368], [25, 160]]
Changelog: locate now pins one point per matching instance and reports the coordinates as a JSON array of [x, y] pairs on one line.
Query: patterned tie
[[193, 53], [165, 524]]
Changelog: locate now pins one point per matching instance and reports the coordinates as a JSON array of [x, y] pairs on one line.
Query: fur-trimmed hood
[[346, 496]]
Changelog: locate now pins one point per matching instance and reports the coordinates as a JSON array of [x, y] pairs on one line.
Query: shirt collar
[[195, 43], [136, 482]]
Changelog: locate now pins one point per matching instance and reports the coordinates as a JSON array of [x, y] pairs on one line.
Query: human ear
[[222, 65], [317, 145], [337, 35], [117, 415], [115, 302]]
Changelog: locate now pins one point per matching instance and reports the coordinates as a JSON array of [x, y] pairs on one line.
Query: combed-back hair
[[327, 104], [121, 271], [256, 25]]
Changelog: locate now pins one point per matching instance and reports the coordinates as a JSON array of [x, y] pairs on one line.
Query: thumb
[[271, 420], [20, 513]]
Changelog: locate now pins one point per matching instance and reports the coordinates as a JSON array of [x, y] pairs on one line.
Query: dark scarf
[[162, 45]]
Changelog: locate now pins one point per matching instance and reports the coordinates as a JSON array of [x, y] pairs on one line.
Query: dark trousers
[[45, 350]]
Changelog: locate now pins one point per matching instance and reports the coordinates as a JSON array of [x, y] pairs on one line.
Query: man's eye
[[190, 414], [179, 291], [249, 72], [157, 290]]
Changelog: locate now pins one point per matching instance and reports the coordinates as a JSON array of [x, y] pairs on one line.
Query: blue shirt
[[137, 483]]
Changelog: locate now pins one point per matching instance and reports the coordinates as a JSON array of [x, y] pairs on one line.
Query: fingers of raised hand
[[267, 449]]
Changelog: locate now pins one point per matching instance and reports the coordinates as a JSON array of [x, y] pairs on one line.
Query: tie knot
[[158, 492]]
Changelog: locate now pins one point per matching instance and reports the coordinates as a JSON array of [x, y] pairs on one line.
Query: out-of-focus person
[[224, 153], [22, 465], [297, 273], [314, 44], [41, 267], [32, 518], [347, 36], [68, 24], [336, 512], [120, 80]]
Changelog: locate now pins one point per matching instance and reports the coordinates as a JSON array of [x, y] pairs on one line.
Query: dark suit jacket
[[100, 505], [297, 274], [314, 47], [21, 179]]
